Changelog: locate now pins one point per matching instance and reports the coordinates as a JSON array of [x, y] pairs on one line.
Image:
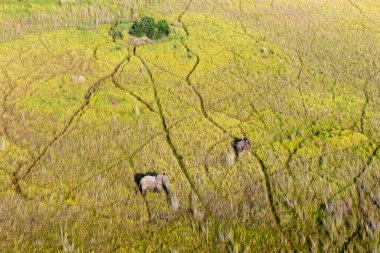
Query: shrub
[[116, 33], [163, 28], [136, 29], [148, 27]]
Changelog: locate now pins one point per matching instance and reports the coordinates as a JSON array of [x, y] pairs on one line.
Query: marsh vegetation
[[83, 112]]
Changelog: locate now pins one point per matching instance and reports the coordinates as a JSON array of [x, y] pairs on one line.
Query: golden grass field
[[299, 78]]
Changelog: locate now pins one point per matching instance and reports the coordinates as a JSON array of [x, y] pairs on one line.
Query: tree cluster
[[150, 28]]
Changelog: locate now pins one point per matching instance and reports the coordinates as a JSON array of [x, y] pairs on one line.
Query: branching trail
[[360, 10], [4, 129], [205, 114], [372, 197], [366, 102], [359, 227], [356, 182], [70, 193], [271, 201], [295, 151], [360, 185], [188, 77], [78, 112], [206, 166], [138, 98], [368, 164], [350, 239], [174, 150]]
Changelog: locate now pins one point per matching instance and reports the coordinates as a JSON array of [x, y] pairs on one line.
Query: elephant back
[[148, 182]]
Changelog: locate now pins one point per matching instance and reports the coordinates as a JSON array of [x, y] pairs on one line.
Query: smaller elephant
[[155, 183], [241, 145]]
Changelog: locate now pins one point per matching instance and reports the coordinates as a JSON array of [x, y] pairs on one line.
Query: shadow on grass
[[234, 142]]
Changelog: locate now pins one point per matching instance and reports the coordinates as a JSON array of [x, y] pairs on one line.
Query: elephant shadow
[[234, 142]]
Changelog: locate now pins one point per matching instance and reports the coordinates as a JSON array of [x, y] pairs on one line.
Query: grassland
[[300, 79]]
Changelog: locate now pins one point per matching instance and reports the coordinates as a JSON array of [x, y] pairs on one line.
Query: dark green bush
[[136, 29], [148, 27], [163, 28]]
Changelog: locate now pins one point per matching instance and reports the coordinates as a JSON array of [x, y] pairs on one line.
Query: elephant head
[[247, 143], [242, 144], [162, 180]]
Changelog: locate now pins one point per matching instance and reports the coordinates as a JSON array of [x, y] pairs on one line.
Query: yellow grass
[[300, 79]]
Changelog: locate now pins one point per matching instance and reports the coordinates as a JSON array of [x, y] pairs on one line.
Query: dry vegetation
[[81, 114]]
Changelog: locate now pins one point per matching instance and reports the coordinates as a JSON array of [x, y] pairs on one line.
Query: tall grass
[[22, 18], [301, 87]]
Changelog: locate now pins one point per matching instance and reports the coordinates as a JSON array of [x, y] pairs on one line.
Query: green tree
[[148, 27], [137, 29], [163, 28]]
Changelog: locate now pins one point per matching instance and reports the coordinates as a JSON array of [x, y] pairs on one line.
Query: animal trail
[[188, 76], [169, 141], [138, 98], [271, 201], [75, 116]]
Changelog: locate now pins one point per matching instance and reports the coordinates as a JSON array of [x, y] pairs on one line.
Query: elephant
[[155, 183], [241, 145]]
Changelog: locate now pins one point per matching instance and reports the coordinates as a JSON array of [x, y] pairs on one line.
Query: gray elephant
[[241, 145], [155, 183]]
